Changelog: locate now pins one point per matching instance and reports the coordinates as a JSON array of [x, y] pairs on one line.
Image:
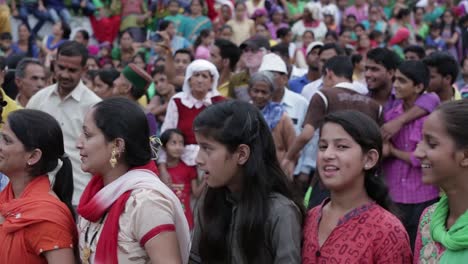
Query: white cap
[[273, 62], [313, 45]]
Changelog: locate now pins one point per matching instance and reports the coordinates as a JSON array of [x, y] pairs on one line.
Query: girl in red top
[[183, 177], [354, 225]]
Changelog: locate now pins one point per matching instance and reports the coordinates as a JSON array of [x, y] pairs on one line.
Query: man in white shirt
[[68, 101], [29, 78]]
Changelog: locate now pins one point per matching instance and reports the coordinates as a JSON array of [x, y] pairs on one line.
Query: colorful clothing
[[403, 179], [125, 214], [241, 30], [105, 28], [436, 244], [181, 178], [48, 43], [368, 234], [194, 26], [35, 222]]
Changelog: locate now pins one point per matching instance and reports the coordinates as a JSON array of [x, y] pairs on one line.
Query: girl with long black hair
[[248, 213]]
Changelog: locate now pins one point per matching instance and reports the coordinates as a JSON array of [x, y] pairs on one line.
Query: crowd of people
[[219, 131]]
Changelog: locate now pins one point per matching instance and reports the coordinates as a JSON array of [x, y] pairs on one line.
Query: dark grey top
[[283, 234]]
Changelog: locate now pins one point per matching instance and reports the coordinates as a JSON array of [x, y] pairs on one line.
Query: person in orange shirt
[[36, 220]]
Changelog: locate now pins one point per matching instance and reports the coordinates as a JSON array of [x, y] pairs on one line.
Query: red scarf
[[91, 210]]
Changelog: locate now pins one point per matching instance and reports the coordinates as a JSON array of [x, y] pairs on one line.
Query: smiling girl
[[443, 152], [248, 213], [354, 224]]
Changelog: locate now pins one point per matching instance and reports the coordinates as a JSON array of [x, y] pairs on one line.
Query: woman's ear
[[371, 158], [243, 154], [34, 157], [119, 143], [464, 160]]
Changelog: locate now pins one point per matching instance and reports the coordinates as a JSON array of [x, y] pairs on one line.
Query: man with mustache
[[68, 101]]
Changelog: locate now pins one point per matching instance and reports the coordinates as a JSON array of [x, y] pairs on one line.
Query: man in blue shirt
[[314, 71]]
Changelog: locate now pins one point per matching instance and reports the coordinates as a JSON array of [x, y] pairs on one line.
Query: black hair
[[39, 130], [375, 34], [95, 59], [31, 40], [360, 26], [141, 55], [387, 58], [164, 24], [366, 133], [232, 123], [158, 70], [281, 49], [166, 135], [282, 32], [66, 30], [84, 33], [455, 121], [454, 22], [356, 58], [402, 13], [351, 16], [91, 74], [20, 71], [228, 50], [73, 49], [108, 76], [444, 63], [5, 36], [203, 34], [184, 51], [119, 117], [420, 51], [223, 27], [341, 66], [416, 71], [435, 25], [126, 32], [327, 46], [345, 30], [332, 33]]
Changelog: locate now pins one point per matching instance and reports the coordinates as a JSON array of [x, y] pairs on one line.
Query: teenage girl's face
[[448, 18], [440, 159], [175, 146], [340, 160], [277, 17], [95, 151], [101, 88], [139, 62], [220, 167]]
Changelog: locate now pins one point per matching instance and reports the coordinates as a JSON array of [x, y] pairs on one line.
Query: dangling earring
[[113, 159]]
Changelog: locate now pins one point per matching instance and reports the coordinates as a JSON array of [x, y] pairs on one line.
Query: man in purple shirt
[[380, 69]]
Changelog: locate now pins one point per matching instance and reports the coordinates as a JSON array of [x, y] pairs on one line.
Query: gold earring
[[113, 159]]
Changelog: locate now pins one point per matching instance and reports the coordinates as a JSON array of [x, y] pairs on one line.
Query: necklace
[[86, 253]]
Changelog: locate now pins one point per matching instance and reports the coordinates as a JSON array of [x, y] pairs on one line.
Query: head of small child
[[411, 80], [173, 143], [434, 30], [349, 156], [443, 151], [237, 154]]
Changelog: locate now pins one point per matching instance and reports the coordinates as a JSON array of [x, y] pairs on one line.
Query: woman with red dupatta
[[36, 221], [126, 214]]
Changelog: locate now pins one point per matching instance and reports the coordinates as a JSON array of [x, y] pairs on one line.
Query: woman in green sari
[[196, 22], [443, 152]]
